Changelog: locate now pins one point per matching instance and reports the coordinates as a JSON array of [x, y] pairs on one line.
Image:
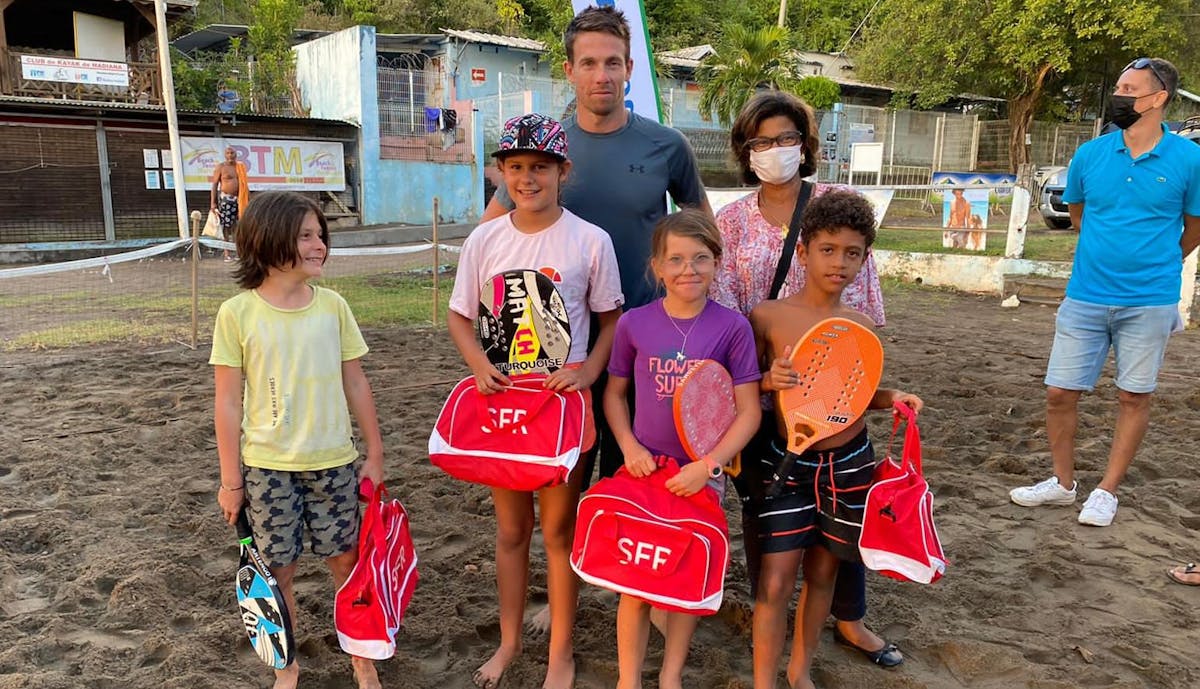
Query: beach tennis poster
[[284, 164], [965, 217]]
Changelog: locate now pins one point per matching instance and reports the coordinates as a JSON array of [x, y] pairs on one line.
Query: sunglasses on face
[[1147, 63]]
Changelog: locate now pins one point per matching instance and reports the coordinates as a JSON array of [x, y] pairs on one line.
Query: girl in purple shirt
[[654, 346]]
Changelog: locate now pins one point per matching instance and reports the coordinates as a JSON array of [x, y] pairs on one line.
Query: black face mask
[[1123, 112]]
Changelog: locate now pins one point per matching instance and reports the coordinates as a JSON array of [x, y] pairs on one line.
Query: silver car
[[1053, 209]]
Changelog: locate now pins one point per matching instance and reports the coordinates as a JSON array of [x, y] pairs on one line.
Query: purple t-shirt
[[649, 348]]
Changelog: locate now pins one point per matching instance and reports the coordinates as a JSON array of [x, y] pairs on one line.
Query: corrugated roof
[[694, 52], [529, 44], [59, 104]]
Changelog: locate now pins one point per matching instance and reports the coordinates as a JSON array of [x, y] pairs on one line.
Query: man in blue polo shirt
[[1131, 193]]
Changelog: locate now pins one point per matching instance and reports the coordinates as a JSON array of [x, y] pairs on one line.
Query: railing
[[144, 84]]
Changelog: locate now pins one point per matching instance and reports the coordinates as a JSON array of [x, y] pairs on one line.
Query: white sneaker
[[1047, 492], [1100, 508]]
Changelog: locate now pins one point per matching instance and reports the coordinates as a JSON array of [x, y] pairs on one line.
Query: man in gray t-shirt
[[623, 167], [620, 181]]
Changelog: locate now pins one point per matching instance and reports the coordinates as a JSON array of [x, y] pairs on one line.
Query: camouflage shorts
[[283, 505]]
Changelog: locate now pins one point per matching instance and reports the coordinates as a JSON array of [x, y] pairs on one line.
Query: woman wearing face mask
[[774, 140]]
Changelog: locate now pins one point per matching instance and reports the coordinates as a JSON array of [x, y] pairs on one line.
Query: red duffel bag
[[369, 607], [524, 438], [634, 536]]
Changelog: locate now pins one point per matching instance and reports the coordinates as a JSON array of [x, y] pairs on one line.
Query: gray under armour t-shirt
[[620, 181]]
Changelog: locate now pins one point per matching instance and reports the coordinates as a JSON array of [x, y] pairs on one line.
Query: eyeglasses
[[766, 143], [701, 264], [1147, 63]]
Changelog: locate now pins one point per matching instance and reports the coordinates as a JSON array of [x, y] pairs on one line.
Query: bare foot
[[288, 677], [539, 624], [488, 675], [665, 682], [1188, 575], [560, 674], [364, 673], [857, 634]]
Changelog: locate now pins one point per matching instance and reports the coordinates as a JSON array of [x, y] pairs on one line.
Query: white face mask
[[776, 165]]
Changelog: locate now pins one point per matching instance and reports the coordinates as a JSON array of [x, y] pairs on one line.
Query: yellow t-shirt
[[294, 412]]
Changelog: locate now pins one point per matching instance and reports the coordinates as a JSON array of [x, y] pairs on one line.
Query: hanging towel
[[433, 118]]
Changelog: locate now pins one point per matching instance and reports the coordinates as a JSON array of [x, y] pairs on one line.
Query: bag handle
[[373, 495], [789, 242], [668, 467], [544, 395], [911, 454]]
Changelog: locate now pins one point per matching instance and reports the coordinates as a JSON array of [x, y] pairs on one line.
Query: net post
[[435, 261], [195, 275]]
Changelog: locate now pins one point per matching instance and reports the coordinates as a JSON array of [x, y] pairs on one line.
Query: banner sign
[[72, 71], [641, 91], [270, 163]]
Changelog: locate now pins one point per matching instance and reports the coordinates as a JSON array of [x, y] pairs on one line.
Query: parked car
[[1054, 211], [1190, 129]]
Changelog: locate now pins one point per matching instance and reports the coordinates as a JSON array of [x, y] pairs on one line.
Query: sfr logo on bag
[[637, 552], [507, 417]]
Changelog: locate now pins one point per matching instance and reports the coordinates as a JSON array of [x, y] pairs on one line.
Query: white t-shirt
[[580, 253]]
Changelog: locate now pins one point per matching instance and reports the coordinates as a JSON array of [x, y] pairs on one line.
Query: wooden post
[[195, 276], [436, 298]]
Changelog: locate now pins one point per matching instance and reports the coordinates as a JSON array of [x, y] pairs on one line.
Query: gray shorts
[[283, 505]]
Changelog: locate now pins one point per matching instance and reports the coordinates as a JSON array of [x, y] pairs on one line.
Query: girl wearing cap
[[538, 234]]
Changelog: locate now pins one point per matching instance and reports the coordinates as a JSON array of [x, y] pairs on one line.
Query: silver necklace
[[681, 356]]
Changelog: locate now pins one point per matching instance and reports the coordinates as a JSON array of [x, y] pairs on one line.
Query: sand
[[115, 568]]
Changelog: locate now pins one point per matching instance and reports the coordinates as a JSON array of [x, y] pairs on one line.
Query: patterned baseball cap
[[533, 132]]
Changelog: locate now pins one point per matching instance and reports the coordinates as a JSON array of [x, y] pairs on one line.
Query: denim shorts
[[1084, 332], [284, 505]]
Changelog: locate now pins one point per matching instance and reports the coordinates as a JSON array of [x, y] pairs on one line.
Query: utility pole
[[168, 91], [782, 12]]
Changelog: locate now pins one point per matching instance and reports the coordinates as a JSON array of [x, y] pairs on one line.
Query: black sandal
[[888, 656]]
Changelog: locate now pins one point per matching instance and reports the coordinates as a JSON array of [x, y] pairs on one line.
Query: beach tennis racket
[[840, 363], [522, 323], [704, 409], [264, 611]]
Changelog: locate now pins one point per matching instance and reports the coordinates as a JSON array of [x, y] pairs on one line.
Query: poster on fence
[[290, 164], [965, 216]]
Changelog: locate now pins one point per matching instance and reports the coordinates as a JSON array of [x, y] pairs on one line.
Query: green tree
[[274, 71], [1019, 50], [746, 60]]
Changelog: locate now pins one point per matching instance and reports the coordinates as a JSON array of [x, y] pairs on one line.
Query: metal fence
[[916, 143], [414, 123]]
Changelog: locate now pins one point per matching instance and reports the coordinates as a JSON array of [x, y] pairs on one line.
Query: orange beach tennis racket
[[840, 363], [704, 408]]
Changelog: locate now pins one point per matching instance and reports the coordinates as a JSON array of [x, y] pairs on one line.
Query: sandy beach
[[116, 568]]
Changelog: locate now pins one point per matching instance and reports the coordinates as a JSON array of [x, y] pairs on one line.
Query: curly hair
[[607, 20], [836, 211], [267, 234], [764, 106]]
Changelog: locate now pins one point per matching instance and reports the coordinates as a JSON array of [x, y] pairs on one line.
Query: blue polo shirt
[[1128, 252]]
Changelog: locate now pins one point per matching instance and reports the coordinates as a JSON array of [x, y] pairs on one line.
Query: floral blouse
[[752, 246]]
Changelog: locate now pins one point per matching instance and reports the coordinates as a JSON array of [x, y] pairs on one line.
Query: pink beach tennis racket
[[704, 409], [840, 363]]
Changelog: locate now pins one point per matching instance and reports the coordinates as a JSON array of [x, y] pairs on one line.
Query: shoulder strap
[[789, 243]]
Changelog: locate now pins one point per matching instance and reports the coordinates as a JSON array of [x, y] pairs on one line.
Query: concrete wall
[[493, 60], [338, 79], [331, 72], [968, 273]]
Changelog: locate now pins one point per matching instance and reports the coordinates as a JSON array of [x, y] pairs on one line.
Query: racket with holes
[[839, 363], [704, 408], [522, 323], [263, 608]]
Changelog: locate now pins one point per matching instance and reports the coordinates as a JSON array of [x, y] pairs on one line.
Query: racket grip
[[780, 476]]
